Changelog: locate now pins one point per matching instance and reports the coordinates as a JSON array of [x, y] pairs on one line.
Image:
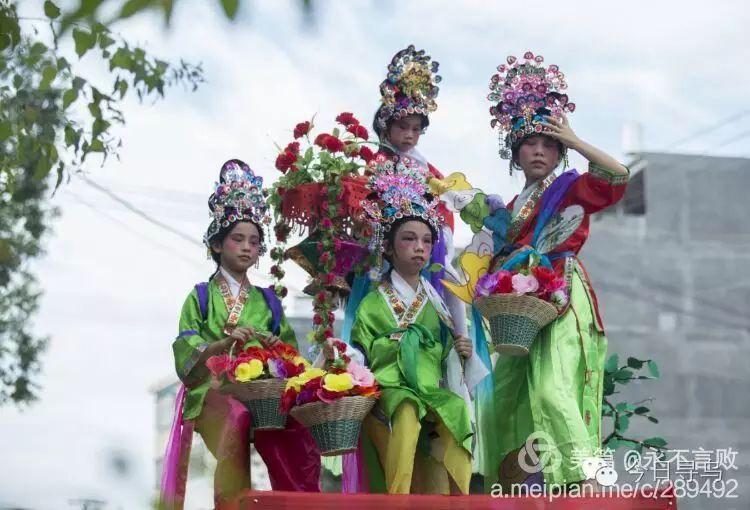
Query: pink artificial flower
[[523, 284], [361, 375]]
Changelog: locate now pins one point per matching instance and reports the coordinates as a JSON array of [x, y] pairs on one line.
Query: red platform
[[262, 500]]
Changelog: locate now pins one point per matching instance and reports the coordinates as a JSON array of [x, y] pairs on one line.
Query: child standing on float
[[556, 391]]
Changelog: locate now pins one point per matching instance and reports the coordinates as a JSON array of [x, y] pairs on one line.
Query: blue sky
[[114, 283]]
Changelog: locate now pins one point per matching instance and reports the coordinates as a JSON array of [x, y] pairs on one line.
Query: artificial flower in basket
[[332, 403], [518, 303], [320, 195], [257, 376]]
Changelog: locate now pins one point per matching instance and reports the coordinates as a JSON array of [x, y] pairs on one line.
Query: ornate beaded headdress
[[238, 196], [522, 93], [399, 190], [410, 87]]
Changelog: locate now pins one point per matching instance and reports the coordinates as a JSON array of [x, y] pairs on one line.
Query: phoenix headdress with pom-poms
[[399, 190], [523, 92], [238, 196], [410, 87]]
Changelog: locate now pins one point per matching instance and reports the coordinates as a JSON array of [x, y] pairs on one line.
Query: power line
[[728, 120], [133, 231], [145, 216], [140, 213]]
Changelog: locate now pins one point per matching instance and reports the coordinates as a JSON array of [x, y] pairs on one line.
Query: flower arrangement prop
[[332, 403], [320, 195], [257, 377], [518, 303]]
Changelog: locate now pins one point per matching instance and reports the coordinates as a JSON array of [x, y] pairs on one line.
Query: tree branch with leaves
[[52, 118]]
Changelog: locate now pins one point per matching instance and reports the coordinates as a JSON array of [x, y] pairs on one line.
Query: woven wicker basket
[[515, 321], [263, 399], [336, 426]]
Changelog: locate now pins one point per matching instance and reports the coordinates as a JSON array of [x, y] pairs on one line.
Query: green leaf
[[18, 81], [94, 109], [70, 136], [653, 368], [230, 7], [84, 41], [6, 129], [652, 419], [121, 59], [43, 166], [623, 406], [69, 97], [613, 444], [656, 441], [78, 83], [51, 10], [105, 40], [99, 126], [62, 63], [122, 88], [623, 375], [641, 410], [623, 422], [612, 363], [635, 363], [435, 268], [96, 145], [48, 76], [132, 7], [38, 49]]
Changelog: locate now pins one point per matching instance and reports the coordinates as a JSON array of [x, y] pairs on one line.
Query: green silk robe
[[195, 335], [373, 325]]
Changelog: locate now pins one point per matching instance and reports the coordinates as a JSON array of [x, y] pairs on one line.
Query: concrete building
[[669, 265]]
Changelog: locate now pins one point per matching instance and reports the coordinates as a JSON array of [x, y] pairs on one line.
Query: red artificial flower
[[301, 129], [321, 297], [320, 140], [330, 278], [333, 144], [293, 147], [367, 391], [544, 275], [317, 320], [329, 396], [285, 160], [287, 400], [359, 131], [328, 333], [284, 350], [325, 257], [346, 118], [217, 365], [504, 284], [255, 352], [326, 223], [324, 206], [366, 154], [339, 345], [283, 292]]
